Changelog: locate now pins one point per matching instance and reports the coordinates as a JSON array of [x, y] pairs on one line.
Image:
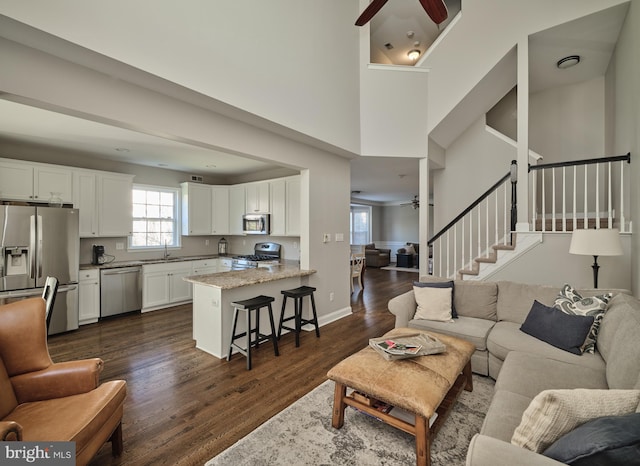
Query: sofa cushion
[[572, 303], [433, 303], [506, 337], [553, 413], [504, 414], [520, 374], [466, 328], [476, 299], [515, 299], [618, 341], [610, 440], [551, 325], [447, 284]]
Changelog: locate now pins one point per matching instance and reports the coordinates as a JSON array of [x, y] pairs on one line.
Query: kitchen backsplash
[[191, 246]]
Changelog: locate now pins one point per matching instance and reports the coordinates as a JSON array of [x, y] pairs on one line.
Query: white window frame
[[176, 237], [355, 208]]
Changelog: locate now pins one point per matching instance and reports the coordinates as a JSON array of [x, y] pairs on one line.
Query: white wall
[[478, 51], [58, 84], [393, 114], [475, 161], [294, 62], [567, 122], [551, 264], [623, 91]]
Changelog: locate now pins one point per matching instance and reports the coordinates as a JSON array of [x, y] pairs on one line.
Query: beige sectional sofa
[[490, 315]]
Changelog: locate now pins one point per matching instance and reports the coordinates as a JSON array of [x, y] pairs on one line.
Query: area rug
[[400, 269], [302, 435]]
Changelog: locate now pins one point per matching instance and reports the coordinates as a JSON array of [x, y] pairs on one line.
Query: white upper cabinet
[[84, 188], [115, 208], [292, 206], [285, 206], [236, 209], [278, 207], [104, 202], [51, 181], [196, 209], [257, 198], [27, 181], [220, 215]]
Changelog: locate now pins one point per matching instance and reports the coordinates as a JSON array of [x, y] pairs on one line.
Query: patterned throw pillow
[[571, 302]]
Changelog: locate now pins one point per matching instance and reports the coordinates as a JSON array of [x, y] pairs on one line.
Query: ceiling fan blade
[[370, 11], [436, 9]]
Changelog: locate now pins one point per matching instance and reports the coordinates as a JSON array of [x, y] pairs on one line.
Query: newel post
[[514, 196]]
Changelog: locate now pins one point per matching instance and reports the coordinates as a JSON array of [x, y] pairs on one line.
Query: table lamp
[[596, 242]]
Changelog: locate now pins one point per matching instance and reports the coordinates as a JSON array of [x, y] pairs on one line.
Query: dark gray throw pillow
[[448, 284], [605, 441], [553, 326]]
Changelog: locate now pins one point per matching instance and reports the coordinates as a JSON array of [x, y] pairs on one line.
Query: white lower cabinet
[[88, 296], [163, 285], [204, 266]]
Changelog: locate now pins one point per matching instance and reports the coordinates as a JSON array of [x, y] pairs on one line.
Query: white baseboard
[[328, 318]]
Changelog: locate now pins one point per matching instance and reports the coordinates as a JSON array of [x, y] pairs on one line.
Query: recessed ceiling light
[[163, 165], [413, 54], [122, 149], [568, 62], [210, 166]]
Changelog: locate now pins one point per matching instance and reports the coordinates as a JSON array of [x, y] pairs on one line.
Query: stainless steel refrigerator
[[37, 242]]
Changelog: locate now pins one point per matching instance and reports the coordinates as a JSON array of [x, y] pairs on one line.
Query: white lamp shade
[[596, 242]]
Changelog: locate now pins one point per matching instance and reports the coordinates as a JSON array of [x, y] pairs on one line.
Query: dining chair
[[49, 296], [357, 268]]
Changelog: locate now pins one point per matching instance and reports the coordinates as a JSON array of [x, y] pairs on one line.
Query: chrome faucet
[[166, 253]]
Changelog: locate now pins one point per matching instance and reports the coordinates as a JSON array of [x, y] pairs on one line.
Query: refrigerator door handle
[[39, 252], [33, 292], [32, 247]]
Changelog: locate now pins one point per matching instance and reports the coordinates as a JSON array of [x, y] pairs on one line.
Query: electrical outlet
[[331, 296], [295, 245], [119, 246], [206, 242]]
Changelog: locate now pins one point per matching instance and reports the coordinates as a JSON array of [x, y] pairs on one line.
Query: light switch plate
[[119, 246], [339, 237], [326, 238]]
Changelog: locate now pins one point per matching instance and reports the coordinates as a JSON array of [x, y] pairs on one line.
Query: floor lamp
[[596, 242]]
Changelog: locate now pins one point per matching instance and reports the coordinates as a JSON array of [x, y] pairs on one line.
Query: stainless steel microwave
[[256, 224]]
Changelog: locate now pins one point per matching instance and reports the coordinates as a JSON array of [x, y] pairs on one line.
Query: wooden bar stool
[[297, 294], [249, 305]]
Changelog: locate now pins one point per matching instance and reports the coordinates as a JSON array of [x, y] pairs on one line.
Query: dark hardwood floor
[[185, 406]]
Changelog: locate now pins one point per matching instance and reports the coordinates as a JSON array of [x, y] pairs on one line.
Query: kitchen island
[[214, 293]]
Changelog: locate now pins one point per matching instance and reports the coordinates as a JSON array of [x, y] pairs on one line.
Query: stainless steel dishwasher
[[120, 290]]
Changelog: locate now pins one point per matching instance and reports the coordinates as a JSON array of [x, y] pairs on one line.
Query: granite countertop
[[133, 263], [238, 278]]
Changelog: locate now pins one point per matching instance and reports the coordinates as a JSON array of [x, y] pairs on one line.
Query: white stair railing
[[486, 222], [591, 193]]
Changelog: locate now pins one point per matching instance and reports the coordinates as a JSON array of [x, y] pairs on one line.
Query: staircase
[[590, 193]]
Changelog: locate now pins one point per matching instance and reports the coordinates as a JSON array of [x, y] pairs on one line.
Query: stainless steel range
[[264, 254]]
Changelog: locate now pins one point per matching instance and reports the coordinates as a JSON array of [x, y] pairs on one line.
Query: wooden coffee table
[[423, 386]]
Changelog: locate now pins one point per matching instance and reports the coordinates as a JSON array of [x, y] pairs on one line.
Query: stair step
[[504, 247], [468, 272], [487, 260]]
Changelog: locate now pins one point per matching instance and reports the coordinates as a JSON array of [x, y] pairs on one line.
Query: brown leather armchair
[[377, 257], [45, 401]]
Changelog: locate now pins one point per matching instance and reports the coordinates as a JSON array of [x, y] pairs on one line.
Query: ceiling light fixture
[[568, 62], [413, 54]]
